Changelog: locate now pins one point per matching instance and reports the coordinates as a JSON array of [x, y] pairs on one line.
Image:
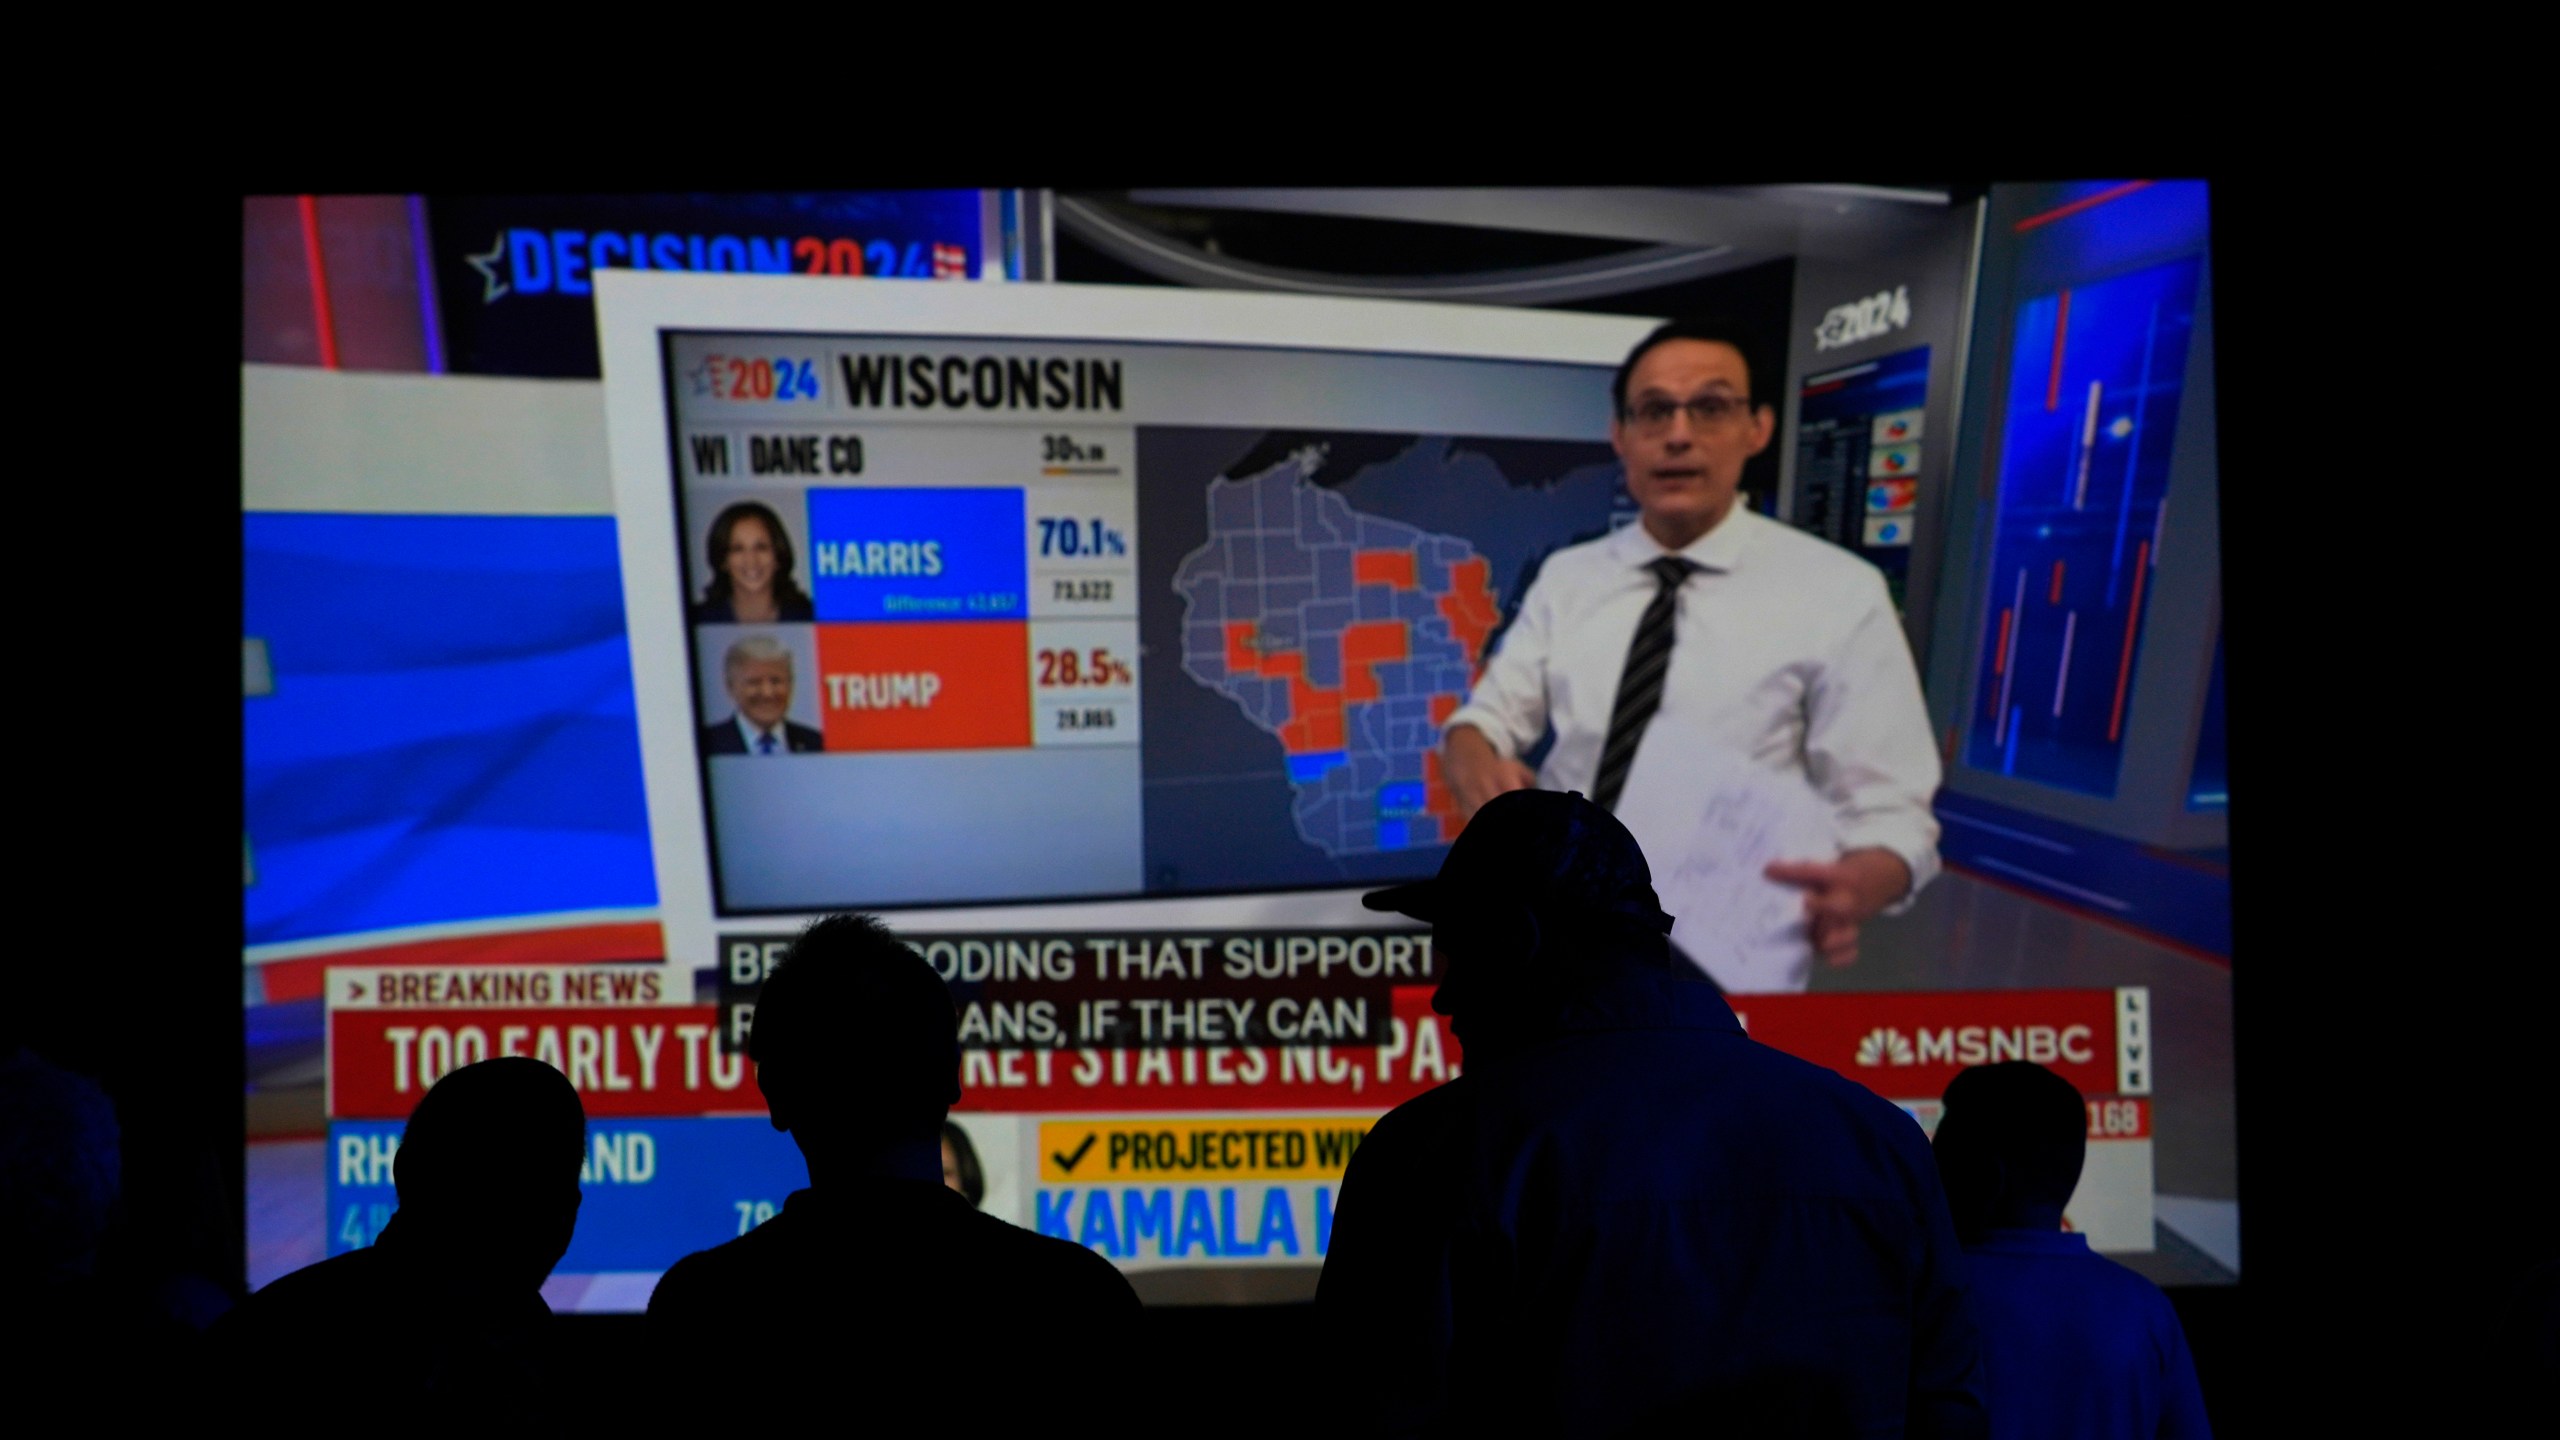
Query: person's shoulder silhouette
[[879, 1276], [443, 1314], [1626, 1216], [2073, 1343], [79, 1332]]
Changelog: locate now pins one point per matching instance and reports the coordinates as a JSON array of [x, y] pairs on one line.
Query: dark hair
[[786, 591], [2028, 1118], [503, 1122], [853, 1021], [964, 1158], [1711, 331]]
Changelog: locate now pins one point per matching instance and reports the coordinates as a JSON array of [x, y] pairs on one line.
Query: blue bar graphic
[[939, 554], [656, 1190]]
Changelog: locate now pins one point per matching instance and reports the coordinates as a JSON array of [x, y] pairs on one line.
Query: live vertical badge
[[2133, 1040]]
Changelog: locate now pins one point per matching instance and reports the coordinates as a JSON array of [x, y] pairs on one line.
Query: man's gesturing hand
[[1477, 772], [1841, 895]]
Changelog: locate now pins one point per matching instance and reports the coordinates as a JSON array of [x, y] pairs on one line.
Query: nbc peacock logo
[[1885, 1045]]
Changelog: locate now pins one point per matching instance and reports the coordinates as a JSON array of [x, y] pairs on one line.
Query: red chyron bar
[[624, 1061], [1420, 1055], [1907, 1046], [393, 1033], [609, 1028]]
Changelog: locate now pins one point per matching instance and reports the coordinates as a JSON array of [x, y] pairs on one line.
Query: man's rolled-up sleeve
[[1867, 745]]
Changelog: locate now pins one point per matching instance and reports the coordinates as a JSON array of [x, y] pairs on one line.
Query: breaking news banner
[[1182, 1141], [625, 1042]]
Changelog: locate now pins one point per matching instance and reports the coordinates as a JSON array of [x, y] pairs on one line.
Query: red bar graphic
[[637, 1060], [322, 319], [2085, 202], [925, 685], [2061, 327], [1907, 1046], [2124, 662]]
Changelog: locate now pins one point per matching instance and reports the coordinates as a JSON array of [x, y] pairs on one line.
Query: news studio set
[[1099, 589]]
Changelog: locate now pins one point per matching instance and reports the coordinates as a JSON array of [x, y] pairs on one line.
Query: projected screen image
[[1109, 671], [979, 621]]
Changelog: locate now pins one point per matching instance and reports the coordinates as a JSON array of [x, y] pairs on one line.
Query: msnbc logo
[[1884, 1046], [1979, 1045]]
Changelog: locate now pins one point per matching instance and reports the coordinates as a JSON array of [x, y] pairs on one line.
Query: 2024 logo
[[1879, 314]]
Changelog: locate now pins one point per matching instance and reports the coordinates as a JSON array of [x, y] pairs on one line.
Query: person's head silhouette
[[1541, 897], [2010, 1145], [487, 1172], [61, 1167], [857, 1051]]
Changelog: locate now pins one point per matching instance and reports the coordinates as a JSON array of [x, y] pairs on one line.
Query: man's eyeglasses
[[1652, 415]]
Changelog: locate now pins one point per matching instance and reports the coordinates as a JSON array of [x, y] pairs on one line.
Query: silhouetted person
[[2073, 1343], [2527, 1345], [880, 1293], [69, 1325], [1626, 1216], [442, 1316]]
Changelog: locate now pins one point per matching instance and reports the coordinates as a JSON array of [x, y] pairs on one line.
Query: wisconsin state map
[[1348, 637]]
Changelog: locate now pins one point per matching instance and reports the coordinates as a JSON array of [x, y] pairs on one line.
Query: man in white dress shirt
[[1780, 646]]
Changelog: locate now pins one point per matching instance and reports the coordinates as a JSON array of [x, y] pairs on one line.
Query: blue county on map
[[1349, 638]]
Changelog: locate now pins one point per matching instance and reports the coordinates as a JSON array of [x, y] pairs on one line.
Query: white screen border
[[636, 309]]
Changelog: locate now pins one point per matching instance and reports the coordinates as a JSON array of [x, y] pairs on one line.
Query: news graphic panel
[[1860, 453], [680, 1155], [1066, 638], [1170, 1099], [2096, 382], [511, 278], [1189, 1097]]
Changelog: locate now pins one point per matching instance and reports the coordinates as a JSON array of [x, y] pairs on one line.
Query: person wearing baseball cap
[[1539, 874], [1624, 1213]]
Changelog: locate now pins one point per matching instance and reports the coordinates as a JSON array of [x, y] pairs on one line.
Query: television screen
[[1100, 640]]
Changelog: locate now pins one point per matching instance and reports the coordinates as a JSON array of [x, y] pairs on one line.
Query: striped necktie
[[1640, 684]]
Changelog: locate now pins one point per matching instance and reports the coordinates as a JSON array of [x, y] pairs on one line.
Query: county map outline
[[1349, 637]]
